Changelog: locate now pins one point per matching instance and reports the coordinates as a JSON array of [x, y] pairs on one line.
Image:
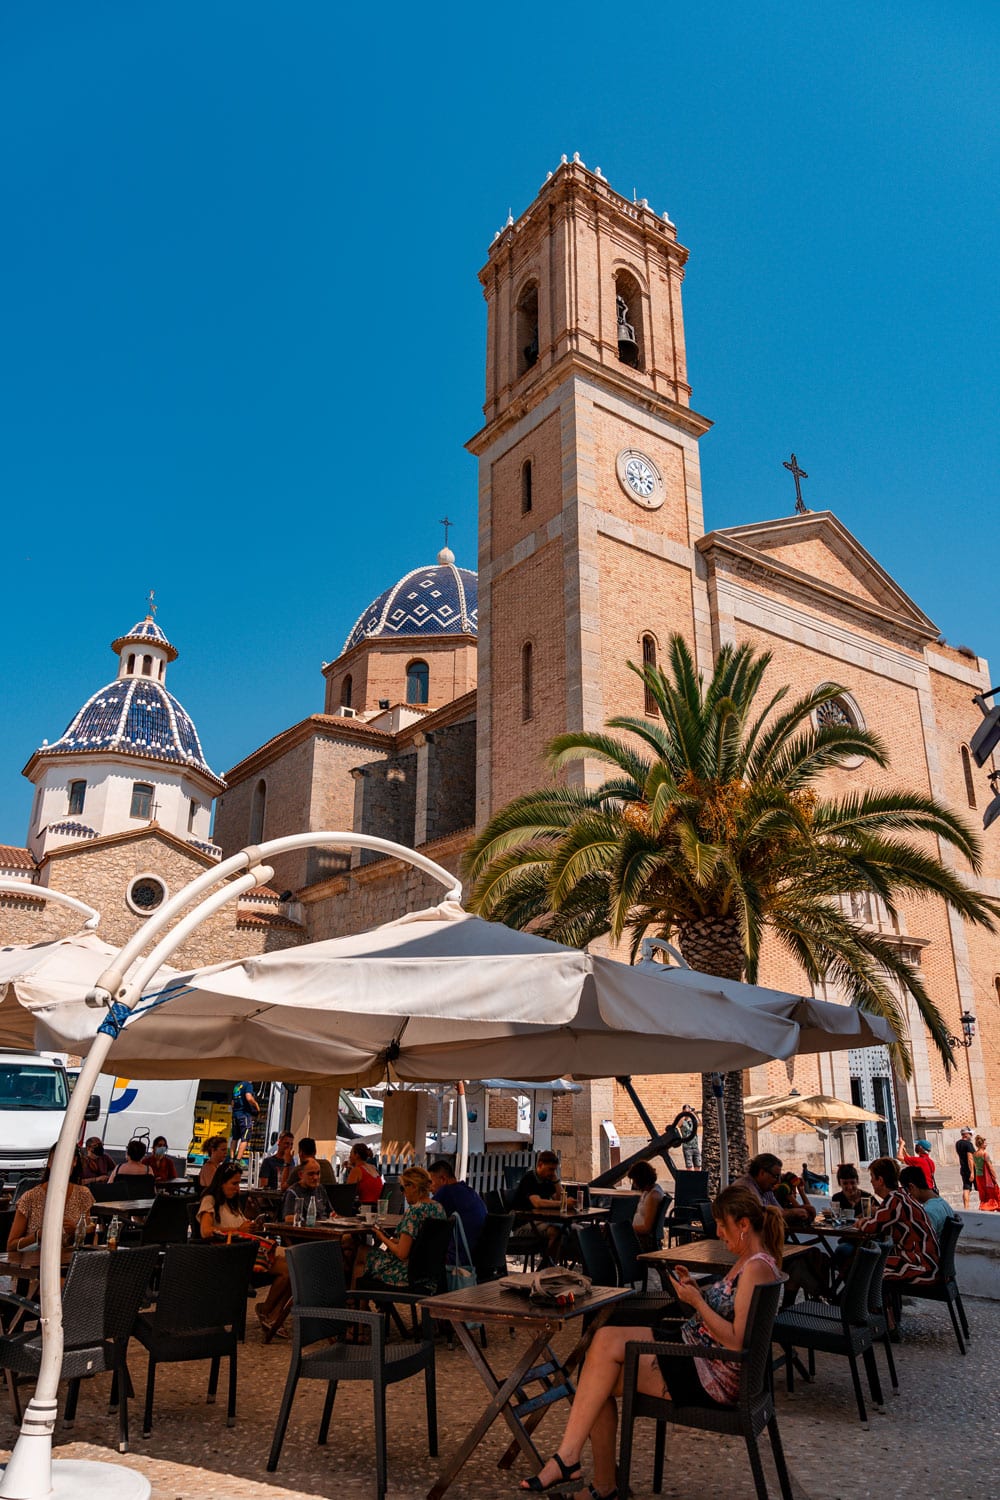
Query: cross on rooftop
[[447, 526], [151, 604], [797, 475]]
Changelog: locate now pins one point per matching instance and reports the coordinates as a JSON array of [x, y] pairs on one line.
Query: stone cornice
[[573, 362], [330, 726], [46, 754], [383, 869], [128, 835], [718, 546], [415, 643]]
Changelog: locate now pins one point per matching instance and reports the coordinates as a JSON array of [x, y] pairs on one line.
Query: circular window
[[145, 894]]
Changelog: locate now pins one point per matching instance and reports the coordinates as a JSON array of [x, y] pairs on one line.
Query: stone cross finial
[[797, 474]]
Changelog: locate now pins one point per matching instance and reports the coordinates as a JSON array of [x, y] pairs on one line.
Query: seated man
[[914, 1253], [273, 1166], [307, 1152], [762, 1176], [306, 1191], [458, 1198], [934, 1206], [539, 1190]]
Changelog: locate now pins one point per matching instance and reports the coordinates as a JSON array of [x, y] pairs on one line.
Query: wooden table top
[[325, 1229], [703, 1255], [572, 1214], [838, 1231], [113, 1206], [493, 1303]]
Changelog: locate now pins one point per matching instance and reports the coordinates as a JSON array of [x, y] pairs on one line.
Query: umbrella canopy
[[434, 996], [816, 1109], [53, 973]]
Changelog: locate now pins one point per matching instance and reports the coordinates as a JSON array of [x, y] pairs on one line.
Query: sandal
[[569, 1474], [611, 1495], [267, 1328]]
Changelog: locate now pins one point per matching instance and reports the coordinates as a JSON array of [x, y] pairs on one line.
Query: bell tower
[[589, 483]]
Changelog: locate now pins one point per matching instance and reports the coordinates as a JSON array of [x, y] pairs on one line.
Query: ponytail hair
[[735, 1202]]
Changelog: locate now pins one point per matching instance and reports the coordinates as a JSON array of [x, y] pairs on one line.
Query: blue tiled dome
[[133, 716], [145, 633], [438, 600]]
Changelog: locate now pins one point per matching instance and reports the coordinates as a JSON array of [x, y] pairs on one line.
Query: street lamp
[[968, 1023]]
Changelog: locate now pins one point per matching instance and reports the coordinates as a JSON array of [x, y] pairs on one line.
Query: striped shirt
[[914, 1254]]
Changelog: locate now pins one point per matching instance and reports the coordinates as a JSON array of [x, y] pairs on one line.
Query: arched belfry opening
[[527, 327], [629, 319]]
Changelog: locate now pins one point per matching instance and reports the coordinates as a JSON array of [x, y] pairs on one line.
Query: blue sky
[[242, 334]]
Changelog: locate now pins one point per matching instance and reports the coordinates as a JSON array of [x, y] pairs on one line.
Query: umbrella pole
[[461, 1133], [30, 1473], [720, 1112]]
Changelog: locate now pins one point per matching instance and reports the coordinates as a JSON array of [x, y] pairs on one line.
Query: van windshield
[[32, 1086]]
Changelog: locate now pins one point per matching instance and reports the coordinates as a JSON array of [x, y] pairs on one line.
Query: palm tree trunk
[[714, 945]]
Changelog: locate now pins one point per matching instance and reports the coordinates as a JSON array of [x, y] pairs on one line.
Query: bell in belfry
[[628, 349]]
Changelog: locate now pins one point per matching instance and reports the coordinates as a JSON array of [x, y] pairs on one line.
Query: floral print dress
[[381, 1263]]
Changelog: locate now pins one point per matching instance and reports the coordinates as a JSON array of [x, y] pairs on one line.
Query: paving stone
[[935, 1439]]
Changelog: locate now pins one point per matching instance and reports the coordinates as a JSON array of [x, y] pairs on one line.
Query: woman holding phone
[[755, 1234]]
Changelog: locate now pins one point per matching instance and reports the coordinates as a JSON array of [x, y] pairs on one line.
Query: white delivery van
[[34, 1092]]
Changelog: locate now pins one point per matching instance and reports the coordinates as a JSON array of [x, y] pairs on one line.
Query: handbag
[[264, 1262], [459, 1275]]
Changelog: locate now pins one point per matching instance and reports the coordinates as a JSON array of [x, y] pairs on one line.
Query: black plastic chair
[[199, 1314], [494, 1200], [849, 1335], [166, 1223], [319, 1313], [754, 1409], [101, 1297], [490, 1254], [342, 1198], [622, 1210], [945, 1287], [626, 1249], [127, 1188], [596, 1256], [426, 1273], [690, 1188], [512, 1177]]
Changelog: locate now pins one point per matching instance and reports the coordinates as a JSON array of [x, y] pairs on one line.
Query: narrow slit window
[[257, 809], [527, 681], [147, 666], [346, 691], [649, 660], [970, 785], [526, 497]]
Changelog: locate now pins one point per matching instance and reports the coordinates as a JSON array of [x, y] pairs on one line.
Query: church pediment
[[816, 551]]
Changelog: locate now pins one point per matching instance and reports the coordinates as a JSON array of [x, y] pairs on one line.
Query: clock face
[[640, 479]]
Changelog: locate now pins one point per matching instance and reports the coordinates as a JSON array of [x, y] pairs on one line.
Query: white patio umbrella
[[436, 996]]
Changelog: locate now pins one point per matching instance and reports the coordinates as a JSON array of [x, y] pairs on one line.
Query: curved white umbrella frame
[[30, 1473]]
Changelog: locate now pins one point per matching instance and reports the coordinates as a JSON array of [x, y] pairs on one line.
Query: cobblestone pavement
[[936, 1440]]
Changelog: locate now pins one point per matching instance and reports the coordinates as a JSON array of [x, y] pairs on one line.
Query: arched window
[[649, 660], [527, 328], [526, 486], [142, 801], [192, 813], [162, 668], [970, 785], [147, 666], [130, 667], [346, 690], [257, 809], [527, 681], [628, 313], [417, 682], [996, 987], [77, 795]]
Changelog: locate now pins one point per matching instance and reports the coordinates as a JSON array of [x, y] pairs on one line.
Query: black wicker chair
[[754, 1409], [849, 1334], [101, 1297], [626, 1250], [944, 1288], [319, 1312], [600, 1265], [690, 1188], [342, 1198], [426, 1273], [199, 1314], [876, 1313], [622, 1210]]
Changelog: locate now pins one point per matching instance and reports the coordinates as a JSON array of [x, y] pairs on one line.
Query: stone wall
[[389, 801], [451, 779]]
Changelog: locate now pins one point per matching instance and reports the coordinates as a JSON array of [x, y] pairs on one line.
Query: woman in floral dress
[[386, 1265]]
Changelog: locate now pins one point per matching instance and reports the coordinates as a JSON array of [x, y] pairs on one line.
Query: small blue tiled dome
[[134, 716], [438, 600], [145, 633]]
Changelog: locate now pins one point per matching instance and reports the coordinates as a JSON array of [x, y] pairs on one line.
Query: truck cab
[[34, 1093]]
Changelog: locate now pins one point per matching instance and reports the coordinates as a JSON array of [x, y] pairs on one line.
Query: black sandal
[[569, 1474], [611, 1495]]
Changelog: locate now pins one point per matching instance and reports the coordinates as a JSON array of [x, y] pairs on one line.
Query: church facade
[[592, 551]]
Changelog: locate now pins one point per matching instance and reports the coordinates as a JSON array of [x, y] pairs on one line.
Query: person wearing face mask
[[159, 1163]]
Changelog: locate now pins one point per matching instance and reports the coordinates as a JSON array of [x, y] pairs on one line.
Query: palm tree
[[710, 830]]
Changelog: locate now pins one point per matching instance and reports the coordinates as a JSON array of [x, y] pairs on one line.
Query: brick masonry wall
[[451, 779], [390, 790]]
